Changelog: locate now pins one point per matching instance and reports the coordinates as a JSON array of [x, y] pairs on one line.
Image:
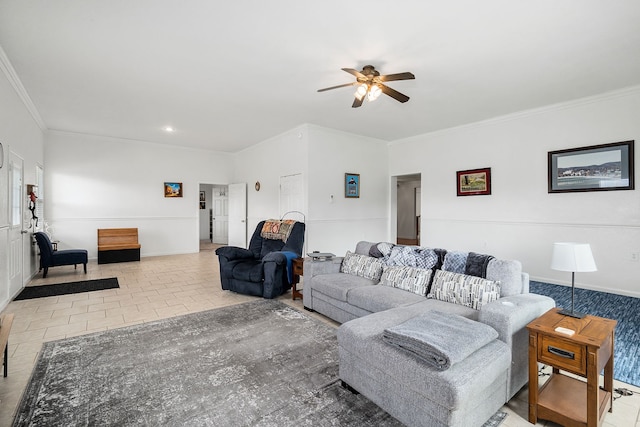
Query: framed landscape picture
[[474, 182], [172, 189], [351, 185], [594, 168]]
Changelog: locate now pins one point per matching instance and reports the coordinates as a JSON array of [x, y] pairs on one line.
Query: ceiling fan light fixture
[[369, 83], [374, 93], [362, 90]]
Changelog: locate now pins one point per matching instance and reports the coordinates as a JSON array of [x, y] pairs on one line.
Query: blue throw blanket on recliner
[[290, 257]]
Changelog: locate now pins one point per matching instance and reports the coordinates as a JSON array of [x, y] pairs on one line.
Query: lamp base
[[571, 313]]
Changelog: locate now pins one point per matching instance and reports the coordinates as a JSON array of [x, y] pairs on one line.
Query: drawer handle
[[560, 352]]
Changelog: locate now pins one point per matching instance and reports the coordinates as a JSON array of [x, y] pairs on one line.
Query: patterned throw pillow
[[410, 279], [426, 258], [465, 290], [413, 256], [455, 261], [361, 265]]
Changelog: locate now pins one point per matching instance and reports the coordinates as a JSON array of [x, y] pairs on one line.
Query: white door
[[238, 215], [292, 197], [16, 210], [220, 216]]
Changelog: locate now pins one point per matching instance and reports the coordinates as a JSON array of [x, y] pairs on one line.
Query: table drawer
[[563, 354]]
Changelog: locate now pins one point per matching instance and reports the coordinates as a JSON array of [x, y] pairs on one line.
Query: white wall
[[19, 132], [98, 182], [521, 220], [337, 224], [322, 156], [266, 162]]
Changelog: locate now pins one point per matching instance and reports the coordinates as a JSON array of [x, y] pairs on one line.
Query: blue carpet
[[626, 310]]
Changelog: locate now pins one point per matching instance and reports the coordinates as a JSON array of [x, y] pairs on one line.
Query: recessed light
[[169, 129]]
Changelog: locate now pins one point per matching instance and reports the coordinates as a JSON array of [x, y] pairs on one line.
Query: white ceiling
[[229, 74]]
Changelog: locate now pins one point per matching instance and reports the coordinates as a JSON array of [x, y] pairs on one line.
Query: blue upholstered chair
[[51, 258], [261, 270]]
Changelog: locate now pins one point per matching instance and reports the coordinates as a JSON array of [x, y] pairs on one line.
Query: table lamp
[[573, 257]]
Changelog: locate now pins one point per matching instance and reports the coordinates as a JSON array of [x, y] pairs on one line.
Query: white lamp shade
[[572, 257]]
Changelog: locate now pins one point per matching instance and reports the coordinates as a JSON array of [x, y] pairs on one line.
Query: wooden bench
[[118, 245]]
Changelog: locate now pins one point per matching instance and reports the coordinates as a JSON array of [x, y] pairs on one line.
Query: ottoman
[[466, 394]]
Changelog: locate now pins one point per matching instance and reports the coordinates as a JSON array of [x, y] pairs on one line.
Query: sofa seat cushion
[[337, 285], [379, 298], [445, 307]]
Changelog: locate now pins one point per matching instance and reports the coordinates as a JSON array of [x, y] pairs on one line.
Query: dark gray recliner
[[51, 258], [261, 270]]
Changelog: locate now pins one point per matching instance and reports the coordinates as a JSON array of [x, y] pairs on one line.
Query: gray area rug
[[260, 363]]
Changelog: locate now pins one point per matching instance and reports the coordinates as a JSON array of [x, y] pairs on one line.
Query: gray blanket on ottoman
[[440, 339]]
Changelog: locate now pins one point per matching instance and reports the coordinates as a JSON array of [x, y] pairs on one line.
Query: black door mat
[[31, 292]]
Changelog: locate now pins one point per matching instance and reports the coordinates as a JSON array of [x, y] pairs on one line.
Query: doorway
[[213, 208], [409, 206]]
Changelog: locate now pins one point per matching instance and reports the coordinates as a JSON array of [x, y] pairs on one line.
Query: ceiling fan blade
[[394, 93], [339, 86], [398, 76], [355, 72], [357, 102]]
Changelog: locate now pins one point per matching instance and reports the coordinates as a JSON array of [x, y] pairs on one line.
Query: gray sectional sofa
[[353, 291]]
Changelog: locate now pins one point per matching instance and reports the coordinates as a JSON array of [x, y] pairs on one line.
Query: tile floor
[[156, 288]]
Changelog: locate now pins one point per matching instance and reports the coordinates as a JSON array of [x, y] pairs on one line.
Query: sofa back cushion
[[363, 247], [470, 291], [508, 273], [410, 279], [361, 265]]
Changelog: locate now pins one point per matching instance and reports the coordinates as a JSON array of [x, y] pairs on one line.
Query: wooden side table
[[298, 270], [563, 399]]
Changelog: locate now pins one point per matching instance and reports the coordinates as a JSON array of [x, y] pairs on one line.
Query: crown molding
[[605, 96], [14, 80]]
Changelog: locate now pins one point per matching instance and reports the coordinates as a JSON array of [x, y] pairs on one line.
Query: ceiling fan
[[371, 84]]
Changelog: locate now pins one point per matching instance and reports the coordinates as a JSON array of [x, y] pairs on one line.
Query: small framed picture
[[351, 185], [474, 182], [593, 168], [172, 189]]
